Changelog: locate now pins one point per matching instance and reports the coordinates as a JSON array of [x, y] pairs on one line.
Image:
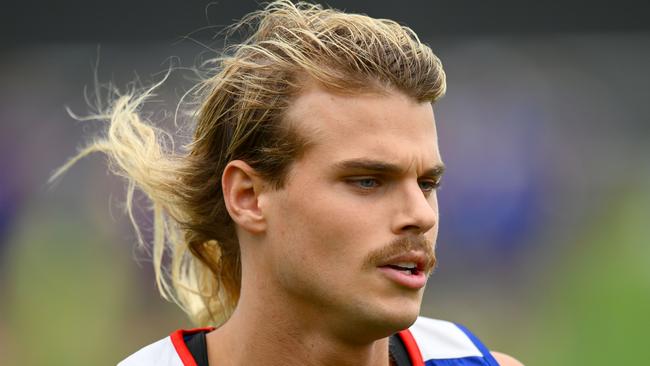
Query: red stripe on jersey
[[411, 347], [178, 340]]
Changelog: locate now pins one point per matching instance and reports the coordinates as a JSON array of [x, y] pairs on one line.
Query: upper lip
[[417, 257]]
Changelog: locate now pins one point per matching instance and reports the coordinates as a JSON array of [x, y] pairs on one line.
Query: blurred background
[[544, 246]]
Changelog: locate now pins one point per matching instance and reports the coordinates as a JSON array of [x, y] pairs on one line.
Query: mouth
[[407, 267], [406, 270]]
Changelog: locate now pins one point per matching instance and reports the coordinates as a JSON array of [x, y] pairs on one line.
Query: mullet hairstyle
[[195, 249]]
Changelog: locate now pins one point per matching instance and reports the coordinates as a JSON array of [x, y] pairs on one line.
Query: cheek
[[326, 234], [318, 260], [324, 227]]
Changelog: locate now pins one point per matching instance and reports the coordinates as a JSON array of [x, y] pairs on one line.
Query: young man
[[303, 217]]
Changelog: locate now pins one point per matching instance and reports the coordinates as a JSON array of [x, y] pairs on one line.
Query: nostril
[[411, 228]]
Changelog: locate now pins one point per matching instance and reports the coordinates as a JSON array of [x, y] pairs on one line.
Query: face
[[351, 235]]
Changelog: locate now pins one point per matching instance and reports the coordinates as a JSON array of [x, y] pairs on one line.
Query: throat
[[237, 344]]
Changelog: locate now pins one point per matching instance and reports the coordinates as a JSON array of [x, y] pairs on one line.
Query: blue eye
[[364, 183], [367, 183]]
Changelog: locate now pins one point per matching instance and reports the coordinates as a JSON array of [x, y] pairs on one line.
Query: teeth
[[408, 265]]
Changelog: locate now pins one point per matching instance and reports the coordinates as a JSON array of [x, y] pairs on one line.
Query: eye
[[427, 186], [365, 182]]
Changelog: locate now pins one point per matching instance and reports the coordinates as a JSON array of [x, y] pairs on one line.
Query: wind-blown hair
[[195, 252]]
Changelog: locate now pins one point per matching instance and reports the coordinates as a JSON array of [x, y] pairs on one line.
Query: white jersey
[[428, 342]]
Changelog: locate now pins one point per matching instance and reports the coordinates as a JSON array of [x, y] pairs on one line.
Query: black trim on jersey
[[199, 350], [397, 351]]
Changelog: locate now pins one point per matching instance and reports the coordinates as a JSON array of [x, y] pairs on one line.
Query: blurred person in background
[[301, 220]]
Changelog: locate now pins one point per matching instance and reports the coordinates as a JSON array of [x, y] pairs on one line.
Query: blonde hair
[[241, 117]]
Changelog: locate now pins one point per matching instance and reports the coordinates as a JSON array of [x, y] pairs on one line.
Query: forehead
[[390, 127]]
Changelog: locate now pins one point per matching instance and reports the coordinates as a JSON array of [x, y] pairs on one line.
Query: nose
[[416, 213]]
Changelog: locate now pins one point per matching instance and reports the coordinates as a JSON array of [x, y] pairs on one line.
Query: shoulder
[[439, 341], [505, 360], [160, 353]]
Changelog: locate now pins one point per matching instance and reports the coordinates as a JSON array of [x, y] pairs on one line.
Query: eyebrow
[[383, 167]]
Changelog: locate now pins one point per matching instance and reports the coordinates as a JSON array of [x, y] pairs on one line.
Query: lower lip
[[406, 279]]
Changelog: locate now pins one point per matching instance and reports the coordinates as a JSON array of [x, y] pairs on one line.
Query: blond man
[[301, 221]]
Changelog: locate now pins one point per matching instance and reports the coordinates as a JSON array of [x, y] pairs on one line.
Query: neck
[[276, 336]]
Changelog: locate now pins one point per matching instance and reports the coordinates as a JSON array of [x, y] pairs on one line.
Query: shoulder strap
[[444, 343]]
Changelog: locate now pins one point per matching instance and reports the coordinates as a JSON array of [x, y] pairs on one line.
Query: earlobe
[[241, 187]]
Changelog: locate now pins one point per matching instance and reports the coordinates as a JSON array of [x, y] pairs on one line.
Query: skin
[[310, 295], [506, 360]]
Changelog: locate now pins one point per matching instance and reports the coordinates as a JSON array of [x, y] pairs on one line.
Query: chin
[[390, 317], [403, 317]]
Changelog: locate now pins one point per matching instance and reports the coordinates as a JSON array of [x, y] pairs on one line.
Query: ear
[[241, 187]]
